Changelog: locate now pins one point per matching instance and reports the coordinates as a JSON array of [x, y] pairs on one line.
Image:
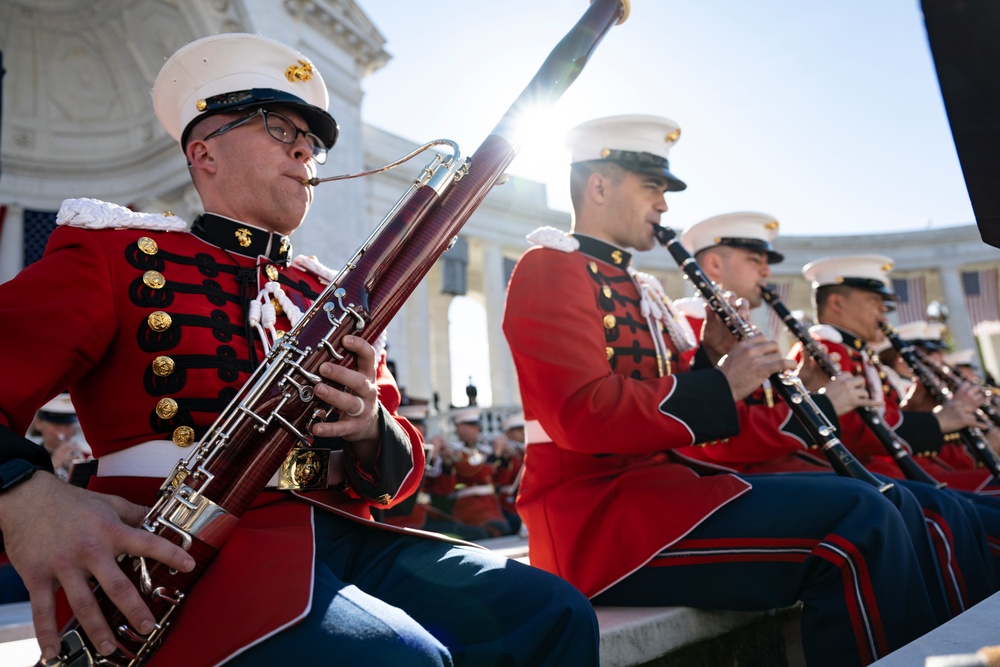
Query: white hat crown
[[743, 229]]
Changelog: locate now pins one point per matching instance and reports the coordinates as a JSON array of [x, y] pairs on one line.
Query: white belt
[[157, 458], [477, 490], [534, 433]]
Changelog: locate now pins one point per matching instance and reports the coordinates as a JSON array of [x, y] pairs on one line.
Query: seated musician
[[154, 328], [735, 251], [607, 396]]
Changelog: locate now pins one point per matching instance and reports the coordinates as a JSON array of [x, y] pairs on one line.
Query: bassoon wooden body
[[206, 494]]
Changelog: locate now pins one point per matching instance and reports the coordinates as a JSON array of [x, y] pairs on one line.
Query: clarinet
[[787, 384], [892, 443], [205, 495], [954, 381], [971, 436]]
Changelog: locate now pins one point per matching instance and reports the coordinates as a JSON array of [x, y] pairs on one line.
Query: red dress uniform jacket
[[147, 330], [600, 493], [770, 440], [919, 429]]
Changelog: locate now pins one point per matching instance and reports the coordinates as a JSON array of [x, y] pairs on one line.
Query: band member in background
[[164, 337], [607, 396], [735, 251], [848, 293], [468, 475], [56, 427], [508, 452]]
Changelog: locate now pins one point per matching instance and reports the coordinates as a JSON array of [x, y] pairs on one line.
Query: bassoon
[[971, 436], [788, 385], [206, 494], [893, 444]]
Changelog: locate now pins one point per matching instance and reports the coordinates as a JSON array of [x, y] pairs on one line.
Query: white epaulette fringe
[[310, 264], [97, 214], [550, 237]]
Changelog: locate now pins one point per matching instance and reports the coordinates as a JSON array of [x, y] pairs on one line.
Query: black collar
[[852, 340], [606, 252], [242, 239]]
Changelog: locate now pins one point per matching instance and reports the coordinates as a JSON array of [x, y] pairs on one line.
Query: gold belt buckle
[[305, 469]]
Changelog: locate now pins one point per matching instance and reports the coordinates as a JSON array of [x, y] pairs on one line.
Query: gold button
[[609, 352], [147, 245], [154, 279], [272, 271], [606, 291], [166, 408], [163, 366], [610, 321], [278, 310], [592, 267], [201, 105], [159, 321], [183, 436]]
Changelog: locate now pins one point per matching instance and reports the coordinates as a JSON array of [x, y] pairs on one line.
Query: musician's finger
[[84, 605], [139, 542], [364, 352], [43, 615]]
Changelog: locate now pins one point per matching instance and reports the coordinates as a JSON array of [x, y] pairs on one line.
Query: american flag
[[775, 327], [980, 289], [37, 227], [911, 299]]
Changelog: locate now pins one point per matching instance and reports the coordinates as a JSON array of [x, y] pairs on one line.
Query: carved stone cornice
[[342, 22]]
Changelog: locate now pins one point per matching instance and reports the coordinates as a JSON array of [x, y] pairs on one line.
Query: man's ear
[[597, 187], [200, 156]]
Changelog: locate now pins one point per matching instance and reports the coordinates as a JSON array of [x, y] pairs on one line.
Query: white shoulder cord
[[656, 306]]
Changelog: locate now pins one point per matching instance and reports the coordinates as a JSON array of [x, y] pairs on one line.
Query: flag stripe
[[911, 299], [980, 288]]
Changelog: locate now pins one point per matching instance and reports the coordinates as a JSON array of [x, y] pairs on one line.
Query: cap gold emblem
[[166, 408], [301, 72], [154, 279], [271, 271], [201, 105], [163, 366], [887, 267], [605, 152], [159, 321], [771, 225], [147, 245], [243, 237], [673, 136], [183, 436]]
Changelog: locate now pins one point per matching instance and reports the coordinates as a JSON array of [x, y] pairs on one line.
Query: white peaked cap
[[966, 357], [746, 229], [869, 272], [235, 71], [468, 415], [637, 142]]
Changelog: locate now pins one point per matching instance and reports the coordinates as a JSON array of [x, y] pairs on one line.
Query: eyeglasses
[[280, 128]]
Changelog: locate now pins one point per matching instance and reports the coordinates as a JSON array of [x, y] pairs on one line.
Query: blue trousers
[[835, 544], [385, 599]]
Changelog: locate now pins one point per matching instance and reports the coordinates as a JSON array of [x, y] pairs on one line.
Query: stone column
[[958, 315], [504, 382]]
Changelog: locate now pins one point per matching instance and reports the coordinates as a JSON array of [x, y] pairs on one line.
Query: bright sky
[[827, 115]]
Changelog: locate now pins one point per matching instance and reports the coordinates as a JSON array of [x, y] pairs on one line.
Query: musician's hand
[[847, 392], [357, 401], [716, 338], [811, 375], [959, 412], [750, 362], [58, 535]]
